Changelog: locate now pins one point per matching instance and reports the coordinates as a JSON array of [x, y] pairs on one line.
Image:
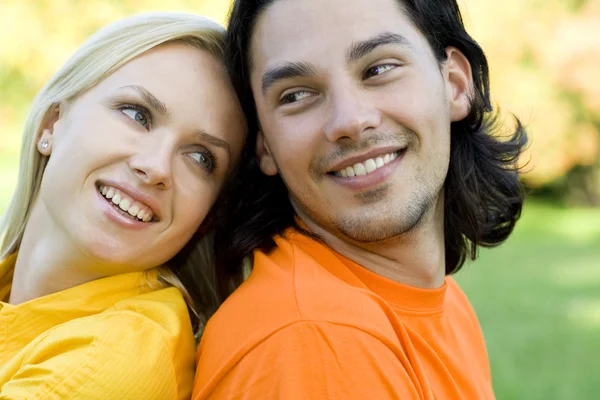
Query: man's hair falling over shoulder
[[483, 195]]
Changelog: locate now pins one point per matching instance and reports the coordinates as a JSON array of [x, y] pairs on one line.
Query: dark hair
[[483, 193]]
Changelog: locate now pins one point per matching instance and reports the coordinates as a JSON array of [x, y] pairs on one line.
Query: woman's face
[[137, 162]]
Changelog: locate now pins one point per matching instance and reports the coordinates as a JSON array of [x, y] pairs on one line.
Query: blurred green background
[[538, 295]]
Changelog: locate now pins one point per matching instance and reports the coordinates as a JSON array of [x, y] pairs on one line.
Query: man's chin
[[370, 232], [381, 228]]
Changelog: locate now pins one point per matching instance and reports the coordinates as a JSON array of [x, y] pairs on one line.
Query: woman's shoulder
[[158, 320], [164, 309], [123, 329], [124, 352]]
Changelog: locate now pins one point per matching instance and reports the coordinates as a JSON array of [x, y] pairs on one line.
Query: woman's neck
[[48, 262]]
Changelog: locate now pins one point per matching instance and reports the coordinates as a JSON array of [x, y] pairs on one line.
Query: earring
[[44, 144]]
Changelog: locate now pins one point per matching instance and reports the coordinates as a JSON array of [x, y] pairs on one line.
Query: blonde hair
[[104, 52]]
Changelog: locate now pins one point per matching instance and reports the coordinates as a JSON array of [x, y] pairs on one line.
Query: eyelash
[[284, 99], [367, 76], [140, 109], [212, 160]]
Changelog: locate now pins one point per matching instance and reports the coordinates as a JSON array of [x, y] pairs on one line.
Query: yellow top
[[112, 338]]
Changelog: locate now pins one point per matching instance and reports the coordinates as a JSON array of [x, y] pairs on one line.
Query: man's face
[[355, 113]]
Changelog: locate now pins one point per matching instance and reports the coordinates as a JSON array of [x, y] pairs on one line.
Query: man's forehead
[[297, 30]]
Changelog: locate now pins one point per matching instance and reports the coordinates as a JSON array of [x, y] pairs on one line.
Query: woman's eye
[[206, 161], [137, 115], [378, 70], [295, 96]]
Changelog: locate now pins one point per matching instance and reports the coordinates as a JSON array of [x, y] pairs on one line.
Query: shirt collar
[[90, 298]]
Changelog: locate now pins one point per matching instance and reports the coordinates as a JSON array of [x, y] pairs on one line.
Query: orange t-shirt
[[311, 324]]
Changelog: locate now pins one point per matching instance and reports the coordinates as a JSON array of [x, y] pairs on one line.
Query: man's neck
[[417, 258]]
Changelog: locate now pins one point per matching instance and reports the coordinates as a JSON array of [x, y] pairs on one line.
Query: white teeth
[[133, 210], [359, 169], [144, 216], [125, 204], [366, 167], [370, 166]]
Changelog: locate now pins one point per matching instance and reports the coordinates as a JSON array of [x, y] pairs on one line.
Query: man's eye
[[295, 96], [137, 115], [378, 70]]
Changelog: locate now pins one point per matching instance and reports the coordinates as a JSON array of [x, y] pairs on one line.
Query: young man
[[377, 175]]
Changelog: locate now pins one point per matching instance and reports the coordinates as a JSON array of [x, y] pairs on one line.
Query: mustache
[[344, 149]]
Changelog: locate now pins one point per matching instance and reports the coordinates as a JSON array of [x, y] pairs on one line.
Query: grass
[[538, 301], [537, 298]]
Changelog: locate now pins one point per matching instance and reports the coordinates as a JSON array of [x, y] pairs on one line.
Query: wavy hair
[[483, 193]]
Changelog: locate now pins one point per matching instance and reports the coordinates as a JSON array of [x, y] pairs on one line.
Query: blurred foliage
[[37, 36], [544, 57]]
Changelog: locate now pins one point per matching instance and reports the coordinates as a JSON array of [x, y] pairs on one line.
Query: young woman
[[124, 154]]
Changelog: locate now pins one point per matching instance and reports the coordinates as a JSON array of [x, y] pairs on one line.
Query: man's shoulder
[[458, 304], [274, 293], [288, 285]]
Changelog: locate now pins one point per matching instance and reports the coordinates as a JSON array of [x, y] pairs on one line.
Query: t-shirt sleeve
[[120, 356], [318, 360]]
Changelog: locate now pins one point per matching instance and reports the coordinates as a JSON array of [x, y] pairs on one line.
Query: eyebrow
[[360, 49], [149, 98], [285, 71], [159, 106], [215, 141], [356, 51]]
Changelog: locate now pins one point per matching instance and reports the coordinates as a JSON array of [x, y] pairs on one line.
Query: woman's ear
[[46, 135], [459, 80], [265, 158]]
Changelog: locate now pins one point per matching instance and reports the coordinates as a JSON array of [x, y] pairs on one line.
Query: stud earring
[[45, 144]]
